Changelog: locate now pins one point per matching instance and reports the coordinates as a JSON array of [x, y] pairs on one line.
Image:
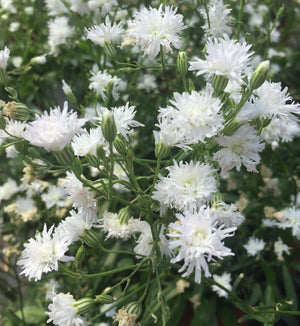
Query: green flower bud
[[219, 83], [104, 298], [182, 63], [2, 122], [91, 238], [120, 144], [161, 151], [93, 160], [65, 157], [16, 111], [3, 77], [66, 271], [77, 168], [134, 308], [259, 75], [124, 215], [79, 257], [109, 50], [191, 85], [84, 305], [108, 126]]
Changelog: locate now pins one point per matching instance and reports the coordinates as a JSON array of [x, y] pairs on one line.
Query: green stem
[[242, 3], [111, 169], [113, 271], [155, 175]]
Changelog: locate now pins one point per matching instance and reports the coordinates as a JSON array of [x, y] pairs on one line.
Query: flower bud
[[93, 160], [134, 308], [91, 238], [182, 63], [3, 77], [2, 122], [109, 50], [108, 126], [64, 157], [77, 168], [259, 75], [79, 257], [219, 83], [16, 111], [120, 144], [161, 151], [104, 298], [84, 305], [69, 94], [124, 215], [191, 85]]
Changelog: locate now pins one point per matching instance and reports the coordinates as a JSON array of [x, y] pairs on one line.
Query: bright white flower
[[224, 57], [8, 189], [73, 226], [280, 248], [56, 7], [104, 33], [120, 174], [55, 196], [124, 119], [153, 28], [254, 246], [42, 254], [87, 143], [197, 115], [227, 214], [59, 32], [187, 186], [104, 5], [54, 130], [239, 149], [224, 280], [147, 82], [41, 59], [15, 128], [4, 55], [62, 311], [101, 80], [66, 88], [13, 27], [291, 219], [219, 19], [112, 225], [80, 7], [80, 196], [8, 6], [280, 130], [197, 240]]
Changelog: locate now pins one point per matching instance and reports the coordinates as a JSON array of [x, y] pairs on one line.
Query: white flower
[[42, 254], [80, 196], [239, 149], [291, 219], [197, 240], [56, 7], [54, 130], [115, 229], [80, 7], [224, 57], [197, 115], [153, 28], [219, 19], [120, 174], [254, 246], [73, 226], [101, 80], [124, 119], [59, 32], [280, 248], [24, 208], [87, 143], [62, 311], [8, 6], [104, 5], [15, 128], [104, 33], [187, 186], [227, 214], [8, 189], [224, 280], [147, 82], [41, 59], [66, 88], [4, 55], [55, 196]]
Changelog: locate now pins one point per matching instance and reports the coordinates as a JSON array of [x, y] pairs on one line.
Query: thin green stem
[[113, 271], [111, 169], [242, 3], [155, 175]]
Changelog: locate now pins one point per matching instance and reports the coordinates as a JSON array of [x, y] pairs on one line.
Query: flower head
[[224, 57], [54, 130], [63, 312], [280, 248], [197, 240], [154, 28], [240, 148], [224, 280], [4, 55], [187, 186], [104, 33], [42, 254], [254, 246]]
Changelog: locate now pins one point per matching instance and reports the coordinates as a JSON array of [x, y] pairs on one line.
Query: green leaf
[[289, 287]]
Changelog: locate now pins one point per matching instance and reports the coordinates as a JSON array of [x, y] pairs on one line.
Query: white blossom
[[4, 55], [224, 280], [254, 246]]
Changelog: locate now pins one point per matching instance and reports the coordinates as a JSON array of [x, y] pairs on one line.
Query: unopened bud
[[3, 77], [69, 94], [93, 160], [191, 85], [16, 111], [182, 63], [84, 305], [108, 126], [104, 298], [161, 150], [124, 215], [109, 50], [134, 308], [91, 238], [120, 144], [2, 122], [259, 75], [79, 257], [219, 83], [65, 156]]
